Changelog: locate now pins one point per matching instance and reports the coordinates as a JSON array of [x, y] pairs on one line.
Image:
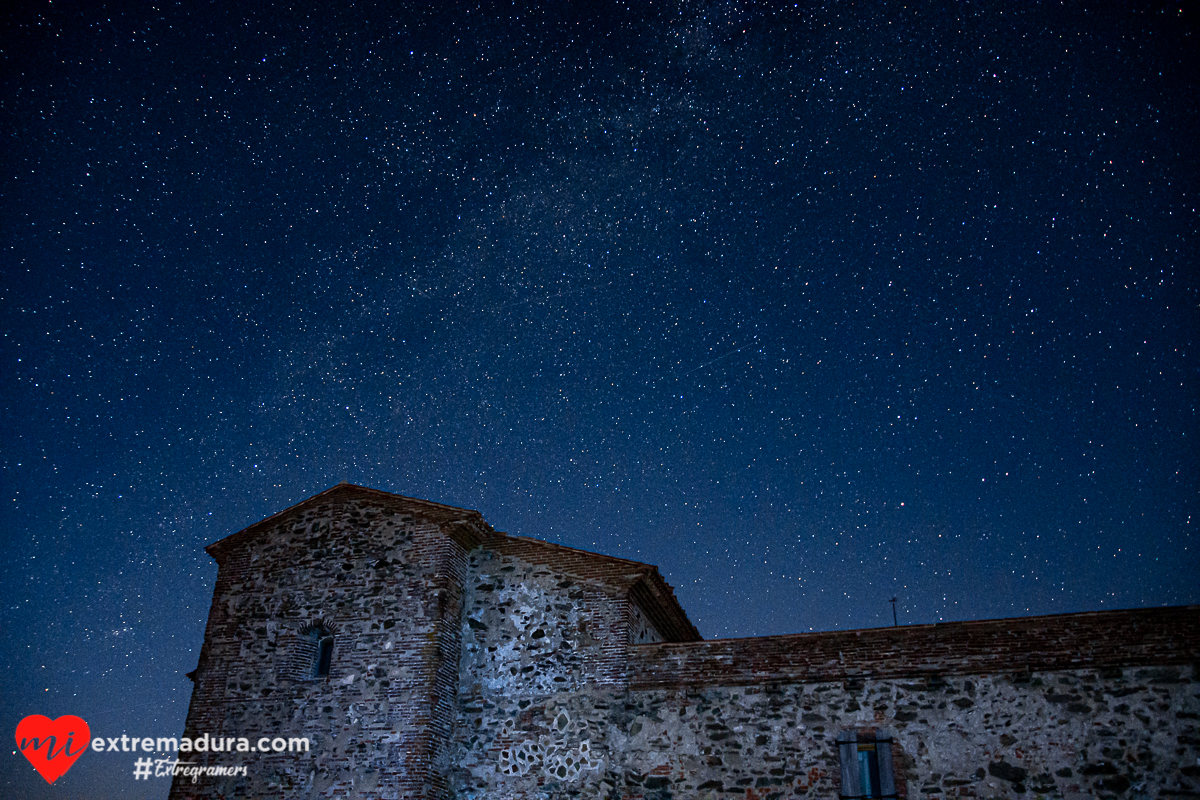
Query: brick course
[[1022, 645]]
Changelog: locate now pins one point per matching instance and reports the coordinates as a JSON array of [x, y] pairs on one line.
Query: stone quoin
[[426, 655]]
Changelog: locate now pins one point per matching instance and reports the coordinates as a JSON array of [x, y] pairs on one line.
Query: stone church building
[[426, 655]]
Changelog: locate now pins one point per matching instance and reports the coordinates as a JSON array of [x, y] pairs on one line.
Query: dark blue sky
[[809, 307]]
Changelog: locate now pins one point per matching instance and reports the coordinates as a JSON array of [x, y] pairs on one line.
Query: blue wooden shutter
[[848, 751], [883, 751]]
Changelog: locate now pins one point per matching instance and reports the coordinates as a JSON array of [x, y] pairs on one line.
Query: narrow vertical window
[[310, 656], [324, 656], [323, 640]]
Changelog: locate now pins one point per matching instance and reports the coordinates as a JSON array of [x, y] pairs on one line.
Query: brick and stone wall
[[388, 586], [471, 664], [1069, 734], [1062, 706]]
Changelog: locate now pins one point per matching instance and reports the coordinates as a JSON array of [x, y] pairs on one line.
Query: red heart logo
[[52, 745]]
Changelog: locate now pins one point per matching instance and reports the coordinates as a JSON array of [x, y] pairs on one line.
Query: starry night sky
[[810, 307]]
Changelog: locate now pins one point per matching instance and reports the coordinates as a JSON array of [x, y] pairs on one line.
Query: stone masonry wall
[[1074, 734], [389, 587], [469, 664], [532, 632], [1054, 707], [1067, 734]]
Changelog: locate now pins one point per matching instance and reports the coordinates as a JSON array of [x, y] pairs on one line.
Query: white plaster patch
[[560, 756], [521, 758]]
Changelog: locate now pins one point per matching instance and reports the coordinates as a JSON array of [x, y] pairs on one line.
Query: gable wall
[[529, 629], [641, 629]]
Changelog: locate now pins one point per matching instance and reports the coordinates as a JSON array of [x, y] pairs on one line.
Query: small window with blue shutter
[[866, 761]]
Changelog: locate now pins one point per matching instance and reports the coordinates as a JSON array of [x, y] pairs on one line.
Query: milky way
[[810, 307]]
